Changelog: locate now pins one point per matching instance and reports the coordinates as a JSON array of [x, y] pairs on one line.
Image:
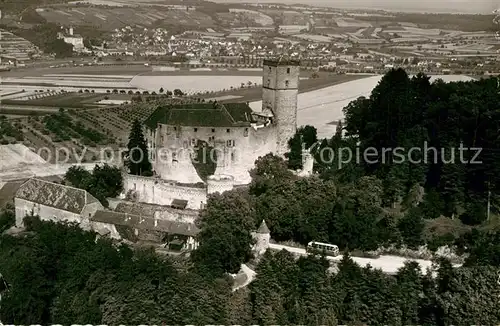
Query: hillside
[[12, 46]]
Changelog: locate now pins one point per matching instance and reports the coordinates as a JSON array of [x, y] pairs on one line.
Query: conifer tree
[[137, 156]]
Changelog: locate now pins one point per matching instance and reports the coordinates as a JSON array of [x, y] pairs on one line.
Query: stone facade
[[280, 89], [261, 237], [54, 202], [231, 134], [153, 190]]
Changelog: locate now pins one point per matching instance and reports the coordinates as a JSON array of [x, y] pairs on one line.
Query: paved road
[[388, 264], [250, 274]]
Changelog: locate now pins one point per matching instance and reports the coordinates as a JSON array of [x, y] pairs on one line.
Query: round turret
[[219, 183], [262, 238]]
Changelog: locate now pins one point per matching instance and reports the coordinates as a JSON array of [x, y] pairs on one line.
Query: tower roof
[[263, 229]]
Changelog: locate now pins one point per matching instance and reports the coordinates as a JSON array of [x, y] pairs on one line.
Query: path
[[388, 264], [249, 273]]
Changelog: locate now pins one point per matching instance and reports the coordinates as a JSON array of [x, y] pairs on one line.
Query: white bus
[[330, 250]]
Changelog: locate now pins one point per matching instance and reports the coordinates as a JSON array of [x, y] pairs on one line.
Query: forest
[[58, 273]]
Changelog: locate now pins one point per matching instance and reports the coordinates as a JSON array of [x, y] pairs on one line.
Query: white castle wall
[[156, 191], [236, 150], [219, 184], [46, 213]]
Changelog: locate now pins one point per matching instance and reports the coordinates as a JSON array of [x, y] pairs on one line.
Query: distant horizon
[[422, 6]]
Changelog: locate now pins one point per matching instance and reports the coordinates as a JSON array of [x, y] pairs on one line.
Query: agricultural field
[[85, 99], [192, 84], [66, 132], [16, 47], [322, 108], [244, 18], [307, 84], [111, 18]]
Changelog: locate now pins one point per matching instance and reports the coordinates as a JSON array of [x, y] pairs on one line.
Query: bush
[[475, 214]]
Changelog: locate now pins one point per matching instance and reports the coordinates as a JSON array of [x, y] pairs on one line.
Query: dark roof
[[55, 195], [202, 115], [149, 210], [179, 203], [263, 229], [145, 223]]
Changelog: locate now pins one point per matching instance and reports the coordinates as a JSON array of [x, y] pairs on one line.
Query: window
[[268, 81], [211, 138], [195, 129], [230, 143], [228, 130], [175, 128], [232, 157], [287, 70], [270, 69], [174, 157], [287, 83], [245, 133], [213, 130], [193, 142]]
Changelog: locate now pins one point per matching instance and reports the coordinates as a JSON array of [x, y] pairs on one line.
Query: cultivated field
[[193, 84], [118, 17]]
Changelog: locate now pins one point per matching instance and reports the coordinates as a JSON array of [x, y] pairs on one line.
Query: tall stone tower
[[279, 95]]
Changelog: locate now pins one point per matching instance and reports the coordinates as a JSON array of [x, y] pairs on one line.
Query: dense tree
[[304, 138], [103, 182], [225, 238], [433, 120], [137, 157]]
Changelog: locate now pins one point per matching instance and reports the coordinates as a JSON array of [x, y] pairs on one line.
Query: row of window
[[287, 70]]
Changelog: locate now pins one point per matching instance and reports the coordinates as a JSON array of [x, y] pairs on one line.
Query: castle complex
[[196, 150], [187, 140]]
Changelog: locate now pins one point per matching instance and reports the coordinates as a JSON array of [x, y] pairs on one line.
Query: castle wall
[[219, 184], [235, 150], [177, 216], [46, 213], [156, 191]]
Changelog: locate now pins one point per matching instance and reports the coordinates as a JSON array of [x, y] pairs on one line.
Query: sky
[[433, 6]]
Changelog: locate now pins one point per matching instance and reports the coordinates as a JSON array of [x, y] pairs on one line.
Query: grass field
[[66, 100]]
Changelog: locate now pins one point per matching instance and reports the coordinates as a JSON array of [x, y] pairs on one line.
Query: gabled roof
[[202, 115], [263, 229], [145, 223], [55, 195], [179, 203]]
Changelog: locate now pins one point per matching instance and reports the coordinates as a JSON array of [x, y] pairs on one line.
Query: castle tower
[[262, 237], [280, 87]]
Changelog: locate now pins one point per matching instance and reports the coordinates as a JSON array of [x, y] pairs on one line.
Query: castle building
[[202, 148]]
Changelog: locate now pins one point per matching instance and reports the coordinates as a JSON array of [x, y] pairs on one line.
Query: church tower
[[280, 87]]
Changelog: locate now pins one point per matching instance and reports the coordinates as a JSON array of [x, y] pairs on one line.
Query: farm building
[[172, 235], [54, 202]]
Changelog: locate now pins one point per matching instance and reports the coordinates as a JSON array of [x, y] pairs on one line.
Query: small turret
[[262, 237]]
